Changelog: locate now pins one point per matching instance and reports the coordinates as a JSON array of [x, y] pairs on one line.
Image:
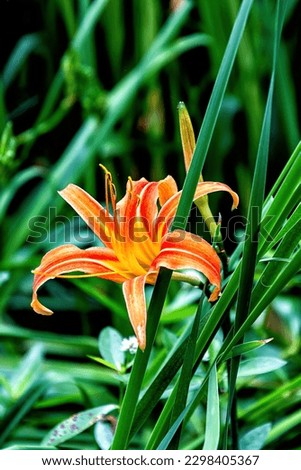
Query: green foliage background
[[84, 82]]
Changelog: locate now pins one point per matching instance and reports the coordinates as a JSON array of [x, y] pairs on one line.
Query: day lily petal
[[126, 219], [133, 291], [167, 189], [147, 209], [99, 262], [127, 206], [168, 210], [95, 216], [183, 250]]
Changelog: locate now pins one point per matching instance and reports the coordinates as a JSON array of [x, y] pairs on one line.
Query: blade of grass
[[132, 392], [266, 405], [182, 386], [17, 181], [131, 396], [162, 379], [211, 115], [220, 307], [172, 431], [290, 269], [21, 407], [26, 45], [274, 276], [287, 99], [285, 200], [283, 427], [212, 431], [252, 233], [88, 23]]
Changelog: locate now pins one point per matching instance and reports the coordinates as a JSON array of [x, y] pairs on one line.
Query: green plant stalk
[[186, 413], [275, 274], [252, 237], [283, 183], [212, 430], [128, 407], [164, 376], [280, 282], [210, 118], [277, 206], [249, 85], [274, 400], [204, 339], [67, 12], [216, 317], [45, 126], [182, 386], [207, 332], [285, 201], [288, 102], [284, 426], [227, 347], [17, 412], [131, 396], [163, 445], [88, 23]]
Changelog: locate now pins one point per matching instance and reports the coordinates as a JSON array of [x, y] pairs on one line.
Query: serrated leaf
[[76, 424]]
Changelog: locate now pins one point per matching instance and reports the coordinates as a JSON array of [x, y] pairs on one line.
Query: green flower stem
[[250, 251], [131, 396], [133, 389], [47, 125], [203, 206]]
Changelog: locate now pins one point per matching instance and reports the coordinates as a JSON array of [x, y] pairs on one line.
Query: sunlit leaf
[[110, 347], [255, 439], [259, 365]]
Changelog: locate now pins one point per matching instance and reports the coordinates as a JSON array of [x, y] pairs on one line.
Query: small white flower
[[129, 344]]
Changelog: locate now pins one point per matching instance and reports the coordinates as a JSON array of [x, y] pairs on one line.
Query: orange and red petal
[[147, 209], [95, 216], [183, 250], [167, 189], [99, 262], [133, 291], [127, 206], [168, 210]]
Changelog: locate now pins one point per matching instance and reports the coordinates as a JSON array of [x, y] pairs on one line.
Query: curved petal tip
[[39, 308]]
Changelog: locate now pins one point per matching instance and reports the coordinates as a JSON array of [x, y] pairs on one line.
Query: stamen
[[130, 191], [131, 183], [110, 189], [113, 194], [131, 186], [78, 276]]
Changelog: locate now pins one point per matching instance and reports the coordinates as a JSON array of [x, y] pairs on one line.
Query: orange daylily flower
[[136, 243]]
